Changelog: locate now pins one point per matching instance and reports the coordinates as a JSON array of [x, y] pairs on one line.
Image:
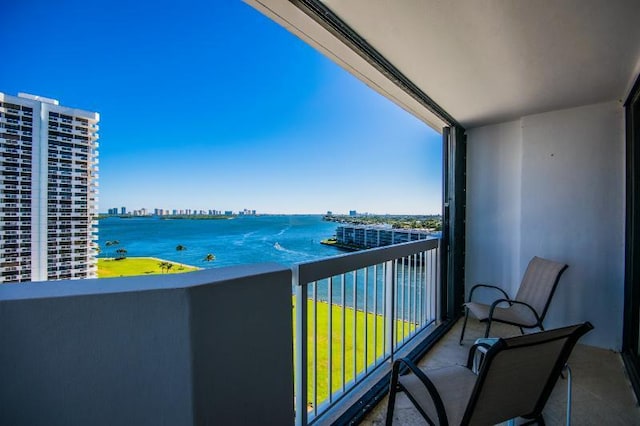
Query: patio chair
[[530, 305], [515, 380]]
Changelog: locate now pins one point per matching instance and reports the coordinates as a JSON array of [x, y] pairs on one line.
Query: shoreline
[[150, 257], [166, 260], [109, 267]]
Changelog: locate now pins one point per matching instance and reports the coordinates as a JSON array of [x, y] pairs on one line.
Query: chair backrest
[[539, 283], [518, 375]]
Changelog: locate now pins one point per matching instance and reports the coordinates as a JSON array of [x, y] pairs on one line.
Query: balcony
[[384, 305], [534, 136]]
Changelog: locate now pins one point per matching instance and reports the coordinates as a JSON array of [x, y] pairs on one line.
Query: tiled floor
[[602, 394]]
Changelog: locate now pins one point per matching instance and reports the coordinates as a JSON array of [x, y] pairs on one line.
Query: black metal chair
[[530, 305], [515, 380]]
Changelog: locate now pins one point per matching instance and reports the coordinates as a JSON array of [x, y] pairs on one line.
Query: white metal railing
[[352, 313]]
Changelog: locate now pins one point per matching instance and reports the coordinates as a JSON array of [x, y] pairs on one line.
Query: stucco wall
[[552, 185], [207, 347]]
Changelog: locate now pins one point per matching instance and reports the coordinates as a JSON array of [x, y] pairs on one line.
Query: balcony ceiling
[[487, 61]]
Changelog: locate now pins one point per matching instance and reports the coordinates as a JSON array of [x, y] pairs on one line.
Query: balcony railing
[[353, 314]]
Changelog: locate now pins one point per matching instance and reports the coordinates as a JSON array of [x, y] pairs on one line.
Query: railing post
[[301, 350], [389, 288]]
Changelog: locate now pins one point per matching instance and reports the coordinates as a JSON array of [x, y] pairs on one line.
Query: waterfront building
[[49, 180], [123, 210], [370, 236]]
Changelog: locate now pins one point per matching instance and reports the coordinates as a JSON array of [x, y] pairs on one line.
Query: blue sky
[[211, 105]]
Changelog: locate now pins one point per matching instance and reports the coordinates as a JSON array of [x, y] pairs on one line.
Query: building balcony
[[173, 323], [535, 166]]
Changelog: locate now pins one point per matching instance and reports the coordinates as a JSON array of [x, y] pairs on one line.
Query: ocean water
[[287, 240], [283, 239]]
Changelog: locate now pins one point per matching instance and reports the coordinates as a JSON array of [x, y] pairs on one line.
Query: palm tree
[[162, 266], [169, 266], [209, 258]]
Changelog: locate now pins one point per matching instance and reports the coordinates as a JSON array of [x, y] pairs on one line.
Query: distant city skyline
[[211, 103], [159, 211], [144, 211]]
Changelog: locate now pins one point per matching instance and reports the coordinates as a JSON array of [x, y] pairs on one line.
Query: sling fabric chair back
[[518, 375], [539, 283]]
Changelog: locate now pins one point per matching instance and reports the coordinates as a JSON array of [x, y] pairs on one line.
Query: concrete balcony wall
[[552, 185], [208, 347]]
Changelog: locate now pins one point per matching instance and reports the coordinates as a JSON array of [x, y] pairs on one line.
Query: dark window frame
[[631, 324], [452, 249]]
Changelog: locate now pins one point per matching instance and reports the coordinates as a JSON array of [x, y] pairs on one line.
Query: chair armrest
[[512, 302], [428, 384], [473, 289], [472, 352]]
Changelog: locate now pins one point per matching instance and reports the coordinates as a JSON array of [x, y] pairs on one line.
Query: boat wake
[[282, 231], [278, 247], [243, 239]]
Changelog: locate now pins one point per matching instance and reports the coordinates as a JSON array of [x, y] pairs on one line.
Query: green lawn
[[374, 345], [137, 266]]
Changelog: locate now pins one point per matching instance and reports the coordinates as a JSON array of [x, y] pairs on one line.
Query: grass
[[137, 266], [374, 345]]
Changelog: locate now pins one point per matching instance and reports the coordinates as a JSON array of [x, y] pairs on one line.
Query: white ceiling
[[487, 61]]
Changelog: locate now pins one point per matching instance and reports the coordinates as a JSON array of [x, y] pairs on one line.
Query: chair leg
[[566, 367], [464, 324], [486, 332], [393, 388]]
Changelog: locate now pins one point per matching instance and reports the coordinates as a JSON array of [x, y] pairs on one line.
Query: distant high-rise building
[[123, 210], [48, 184], [353, 213]]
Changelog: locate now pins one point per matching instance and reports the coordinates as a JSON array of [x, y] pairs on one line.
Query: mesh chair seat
[[515, 314], [454, 383], [514, 380]]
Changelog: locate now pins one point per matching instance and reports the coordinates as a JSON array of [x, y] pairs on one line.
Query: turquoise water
[[246, 239]]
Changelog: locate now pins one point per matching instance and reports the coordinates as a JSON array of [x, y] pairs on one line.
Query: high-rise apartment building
[[48, 190]]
